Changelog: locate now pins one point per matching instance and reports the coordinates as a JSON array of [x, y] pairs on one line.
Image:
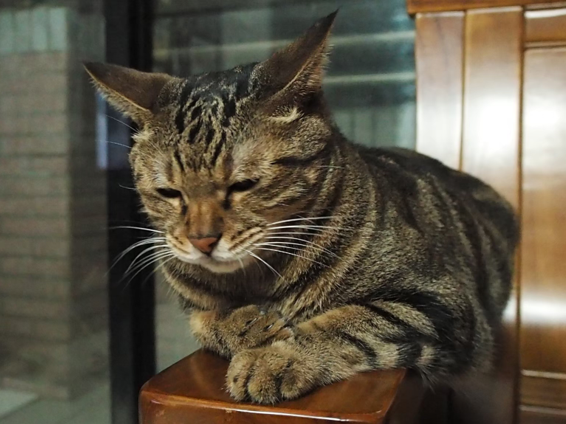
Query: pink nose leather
[[205, 245]]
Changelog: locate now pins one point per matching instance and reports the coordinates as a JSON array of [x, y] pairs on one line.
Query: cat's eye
[[169, 193], [244, 185]]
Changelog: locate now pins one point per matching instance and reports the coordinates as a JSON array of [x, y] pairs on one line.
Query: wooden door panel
[[439, 61], [482, 76], [490, 150], [543, 268], [492, 98]]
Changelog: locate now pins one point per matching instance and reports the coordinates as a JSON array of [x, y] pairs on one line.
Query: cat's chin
[[214, 265], [220, 267]]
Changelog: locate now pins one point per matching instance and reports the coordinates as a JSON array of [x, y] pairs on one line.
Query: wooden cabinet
[[491, 100]]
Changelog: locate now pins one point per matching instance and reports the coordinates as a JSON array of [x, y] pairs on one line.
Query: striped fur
[[333, 258]]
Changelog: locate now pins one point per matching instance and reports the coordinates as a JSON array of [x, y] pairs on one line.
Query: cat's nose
[[205, 244]]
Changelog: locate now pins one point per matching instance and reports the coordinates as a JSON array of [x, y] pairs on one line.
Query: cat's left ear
[[298, 68], [132, 92]]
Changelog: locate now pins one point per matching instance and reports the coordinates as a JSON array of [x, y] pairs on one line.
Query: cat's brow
[[183, 106], [210, 91], [177, 157]]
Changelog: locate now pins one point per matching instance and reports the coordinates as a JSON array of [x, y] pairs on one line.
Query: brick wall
[[52, 202]]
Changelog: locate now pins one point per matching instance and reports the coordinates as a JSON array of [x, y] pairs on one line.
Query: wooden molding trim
[[543, 392], [424, 6], [544, 192], [544, 374], [440, 67], [537, 415], [541, 6], [545, 28]]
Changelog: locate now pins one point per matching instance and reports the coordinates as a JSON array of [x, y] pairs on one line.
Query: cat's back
[[406, 174]]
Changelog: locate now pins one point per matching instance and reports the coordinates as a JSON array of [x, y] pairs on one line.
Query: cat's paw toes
[[257, 327], [268, 375]]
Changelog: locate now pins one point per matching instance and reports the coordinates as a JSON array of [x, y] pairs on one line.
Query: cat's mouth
[[217, 265], [218, 261]]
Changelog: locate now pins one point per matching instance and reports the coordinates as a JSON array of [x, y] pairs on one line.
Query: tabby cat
[[300, 256]]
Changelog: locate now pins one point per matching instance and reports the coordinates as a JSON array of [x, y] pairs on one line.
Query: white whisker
[[150, 240], [291, 254], [145, 241], [300, 219], [242, 266], [284, 246], [311, 227], [144, 267], [260, 259], [149, 261], [143, 252], [121, 122], [297, 233], [131, 227], [304, 243], [119, 144], [258, 265], [158, 268]]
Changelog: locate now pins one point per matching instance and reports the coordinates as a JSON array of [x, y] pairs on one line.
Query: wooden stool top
[[193, 391]]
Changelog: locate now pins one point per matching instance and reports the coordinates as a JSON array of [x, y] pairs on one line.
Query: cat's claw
[[256, 327]]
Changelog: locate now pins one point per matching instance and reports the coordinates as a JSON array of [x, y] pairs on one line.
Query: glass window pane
[[53, 253], [370, 83]]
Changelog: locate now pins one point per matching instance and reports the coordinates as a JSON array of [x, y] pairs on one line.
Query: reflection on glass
[[53, 307], [370, 83]]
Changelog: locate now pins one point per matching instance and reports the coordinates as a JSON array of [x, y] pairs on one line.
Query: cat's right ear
[[132, 92], [297, 69]]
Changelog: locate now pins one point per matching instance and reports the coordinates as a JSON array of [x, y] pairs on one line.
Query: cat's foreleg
[[229, 332], [327, 348]]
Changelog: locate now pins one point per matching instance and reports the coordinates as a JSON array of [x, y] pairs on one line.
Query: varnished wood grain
[[545, 27], [193, 391], [546, 6], [492, 99], [543, 303], [490, 150], [491, 146], [533, 415], [544, 390], [416, 403], [439, 63], [422, 6]]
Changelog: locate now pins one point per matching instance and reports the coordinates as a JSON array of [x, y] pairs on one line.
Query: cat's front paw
[[270, 374], [243, 328], [251, 326]]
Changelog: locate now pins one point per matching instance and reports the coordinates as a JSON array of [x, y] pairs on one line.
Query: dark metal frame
[[131, 303]]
